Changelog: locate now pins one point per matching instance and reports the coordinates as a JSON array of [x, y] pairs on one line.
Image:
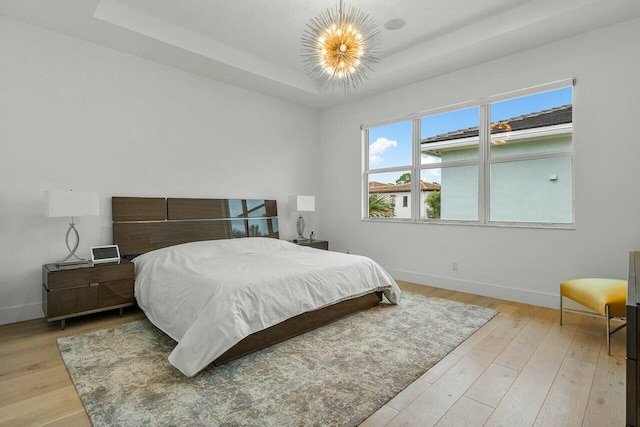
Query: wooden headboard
[[143, 224]]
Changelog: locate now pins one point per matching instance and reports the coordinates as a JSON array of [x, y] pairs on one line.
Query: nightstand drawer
[[62, 279], [69, 301], [74, 290], [115, 293]]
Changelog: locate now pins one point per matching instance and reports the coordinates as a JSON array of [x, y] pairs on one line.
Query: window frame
[[483, 162]]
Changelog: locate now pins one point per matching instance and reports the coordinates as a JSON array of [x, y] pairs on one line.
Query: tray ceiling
[[256, 43]]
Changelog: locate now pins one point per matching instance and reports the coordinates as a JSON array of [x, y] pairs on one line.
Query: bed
[[214, 276]]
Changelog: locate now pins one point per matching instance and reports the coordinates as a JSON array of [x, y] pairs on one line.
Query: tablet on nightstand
[[109, 253]]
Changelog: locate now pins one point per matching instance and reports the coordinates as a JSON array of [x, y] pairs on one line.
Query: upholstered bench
[[607, 297]]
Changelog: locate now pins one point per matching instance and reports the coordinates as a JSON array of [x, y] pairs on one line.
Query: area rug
[[337, 375]]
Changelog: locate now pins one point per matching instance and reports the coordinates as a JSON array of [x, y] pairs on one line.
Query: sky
[[390, 145]]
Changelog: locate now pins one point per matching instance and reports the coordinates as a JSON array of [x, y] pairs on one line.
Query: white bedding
[[209, 295]]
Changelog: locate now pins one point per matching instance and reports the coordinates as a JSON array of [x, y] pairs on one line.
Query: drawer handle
[[93, 285]]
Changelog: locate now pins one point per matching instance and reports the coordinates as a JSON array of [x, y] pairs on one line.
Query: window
[[449, 155], [507, 160], [530, 161], [390, 152]]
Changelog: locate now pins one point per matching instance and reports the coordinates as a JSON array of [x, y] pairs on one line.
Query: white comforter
[[210, 295]]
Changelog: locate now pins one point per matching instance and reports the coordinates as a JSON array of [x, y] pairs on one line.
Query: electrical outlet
[[454, 266]]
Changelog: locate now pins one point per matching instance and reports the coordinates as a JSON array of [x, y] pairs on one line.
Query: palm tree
[[380, 206]]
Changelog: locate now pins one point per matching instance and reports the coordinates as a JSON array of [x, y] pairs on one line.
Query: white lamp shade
[[71, 203], [303, 203]]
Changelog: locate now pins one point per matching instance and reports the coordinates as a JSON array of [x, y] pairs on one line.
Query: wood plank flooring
[[521, 369], [35, 388]]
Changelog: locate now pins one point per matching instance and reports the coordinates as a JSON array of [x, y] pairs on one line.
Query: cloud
[[435, 174], [378, 148], [431, 175]]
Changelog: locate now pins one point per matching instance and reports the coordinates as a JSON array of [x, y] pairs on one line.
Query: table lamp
[[71, 204], [302, 204]]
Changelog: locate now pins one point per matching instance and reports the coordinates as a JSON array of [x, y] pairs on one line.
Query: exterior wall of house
[[400, 210], [459, 193], [532, 190]]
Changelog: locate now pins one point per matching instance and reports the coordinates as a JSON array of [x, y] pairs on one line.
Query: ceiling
[[255, 44]]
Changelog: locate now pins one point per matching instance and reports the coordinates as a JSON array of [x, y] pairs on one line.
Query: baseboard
[[478, 288], [20, 313]]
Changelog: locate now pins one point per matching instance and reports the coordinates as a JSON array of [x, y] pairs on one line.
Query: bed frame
[[143, 224]]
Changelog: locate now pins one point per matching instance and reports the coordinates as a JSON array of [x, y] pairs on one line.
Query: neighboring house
[[400, 195], [548, 181]]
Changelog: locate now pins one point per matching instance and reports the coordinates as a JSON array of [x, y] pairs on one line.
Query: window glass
[[390, 145], [537, 123], [449, 136], [532, 191], [387, 193], [452, 196], [520, 168]]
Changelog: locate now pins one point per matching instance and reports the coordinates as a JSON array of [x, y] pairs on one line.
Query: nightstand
[[74, 290], [318, 244]]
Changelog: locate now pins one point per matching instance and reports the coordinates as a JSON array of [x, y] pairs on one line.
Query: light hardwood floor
[[520, 369]]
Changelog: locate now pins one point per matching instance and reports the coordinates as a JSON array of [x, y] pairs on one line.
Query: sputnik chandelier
[[339, 47]]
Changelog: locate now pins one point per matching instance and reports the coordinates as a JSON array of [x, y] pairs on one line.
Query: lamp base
[[72, 251], [300, 227]]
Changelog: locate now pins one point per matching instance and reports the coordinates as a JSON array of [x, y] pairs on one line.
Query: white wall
[[512, 263], [78, 115]]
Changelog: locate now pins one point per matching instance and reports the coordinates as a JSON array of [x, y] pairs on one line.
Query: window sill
[[474, 223]]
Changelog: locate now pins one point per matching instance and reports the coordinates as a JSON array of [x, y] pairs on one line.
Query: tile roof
[[553, 116], [379, 187]]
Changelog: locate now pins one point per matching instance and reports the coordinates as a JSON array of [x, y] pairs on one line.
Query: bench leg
[[561, 309]]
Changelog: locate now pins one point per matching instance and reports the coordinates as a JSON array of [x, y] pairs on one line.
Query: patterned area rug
[[336, 375]]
